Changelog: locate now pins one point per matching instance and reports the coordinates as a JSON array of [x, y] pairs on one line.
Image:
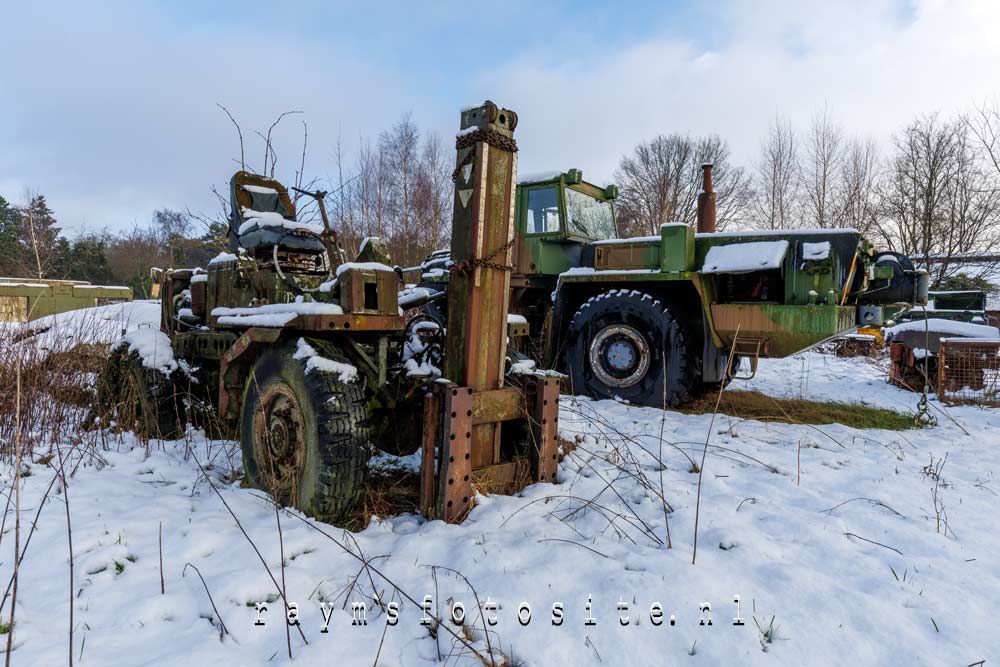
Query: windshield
[[588, 216], [543, 210]]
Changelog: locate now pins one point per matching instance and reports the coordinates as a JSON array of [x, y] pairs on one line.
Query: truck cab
[[557, 215]]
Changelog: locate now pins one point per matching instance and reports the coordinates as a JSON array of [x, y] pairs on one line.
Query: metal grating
[[969, 371]]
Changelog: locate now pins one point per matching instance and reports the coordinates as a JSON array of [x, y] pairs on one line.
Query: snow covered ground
[[830, 531]]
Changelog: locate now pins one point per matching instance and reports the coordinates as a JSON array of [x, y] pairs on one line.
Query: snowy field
[[832, 532]]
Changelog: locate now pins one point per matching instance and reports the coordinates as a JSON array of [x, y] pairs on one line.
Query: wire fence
[[969, 371]]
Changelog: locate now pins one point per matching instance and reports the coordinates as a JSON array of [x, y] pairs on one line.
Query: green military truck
[[653, 319]]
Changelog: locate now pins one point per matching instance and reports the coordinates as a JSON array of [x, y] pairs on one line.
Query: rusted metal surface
[[706, 202], [316, 323], [369, 291], [482, 234], [969, 371], [279, 440], [454, 495], [233, 369], [627, 256], [497, 405], [429, 441], [544, 427]]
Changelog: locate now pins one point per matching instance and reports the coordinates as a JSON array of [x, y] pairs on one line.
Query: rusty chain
[[469, 265]]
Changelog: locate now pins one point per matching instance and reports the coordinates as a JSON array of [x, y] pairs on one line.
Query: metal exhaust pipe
[[706, 202]]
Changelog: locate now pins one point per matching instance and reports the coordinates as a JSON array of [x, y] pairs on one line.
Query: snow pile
[[100, 325], [314, 362], [939, 326], [419, 351], [413, 296], [273, 314], [514, 318], [815, 251], [260, 219], [221, 258], [152, 346], [363, 266], [745, 257]]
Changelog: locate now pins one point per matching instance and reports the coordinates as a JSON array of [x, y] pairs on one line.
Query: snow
[[413, 295], [273, 314], [745, 257], [513, 318], [152, 346], [100, 325], [783, 233], [363, 266], [314, 362], [259, 189], [221, 258], [795, 550], [199, 278], [538, 176], [941, 326], [815, 251], [253, 218]]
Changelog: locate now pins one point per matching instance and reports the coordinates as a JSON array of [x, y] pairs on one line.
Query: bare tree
[[859, 182], [777, 177], [659, 182], [985, 126], [938, 199], [824, 155]]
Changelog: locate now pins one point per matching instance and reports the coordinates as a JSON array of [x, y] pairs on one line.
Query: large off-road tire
[[145, 400], [627, 344], [304, 432]]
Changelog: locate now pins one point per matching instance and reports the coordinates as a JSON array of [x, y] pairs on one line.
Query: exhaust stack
[[706, 202]]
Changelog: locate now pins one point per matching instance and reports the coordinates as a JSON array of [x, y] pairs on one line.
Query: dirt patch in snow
[[764, 408]]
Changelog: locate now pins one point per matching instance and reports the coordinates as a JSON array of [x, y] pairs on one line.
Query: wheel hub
[[619, 356], [279, 440]]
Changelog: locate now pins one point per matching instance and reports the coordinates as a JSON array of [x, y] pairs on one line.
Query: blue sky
[[110, 108]]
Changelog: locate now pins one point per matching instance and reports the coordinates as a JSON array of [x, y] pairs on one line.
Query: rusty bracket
[[233, 368], [544, 393], [454, 494]]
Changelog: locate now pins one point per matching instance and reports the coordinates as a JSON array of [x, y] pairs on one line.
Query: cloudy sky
[[110, 109]]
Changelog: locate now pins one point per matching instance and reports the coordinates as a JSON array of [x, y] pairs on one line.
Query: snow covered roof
[[936, 325], [745, 257]]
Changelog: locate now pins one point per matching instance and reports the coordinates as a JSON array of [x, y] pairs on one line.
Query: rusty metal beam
[[454, 497], [544, 427], [497, 405], [429, 441]]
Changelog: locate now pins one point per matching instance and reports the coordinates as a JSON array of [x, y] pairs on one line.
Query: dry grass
[[387, 493], [754, 405]]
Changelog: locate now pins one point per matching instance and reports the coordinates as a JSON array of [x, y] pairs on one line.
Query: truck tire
[[143, 399], [304, 432], [626, 344]]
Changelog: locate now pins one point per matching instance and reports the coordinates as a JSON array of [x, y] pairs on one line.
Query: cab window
[[543, 210]]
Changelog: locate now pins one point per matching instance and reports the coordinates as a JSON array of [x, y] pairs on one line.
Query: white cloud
[[110, 109], [875, 66]]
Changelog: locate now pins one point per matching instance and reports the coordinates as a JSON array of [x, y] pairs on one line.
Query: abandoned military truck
[[653, 319]]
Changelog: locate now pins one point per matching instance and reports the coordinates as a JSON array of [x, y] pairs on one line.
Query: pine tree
[[9, 234], [38, 247]]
